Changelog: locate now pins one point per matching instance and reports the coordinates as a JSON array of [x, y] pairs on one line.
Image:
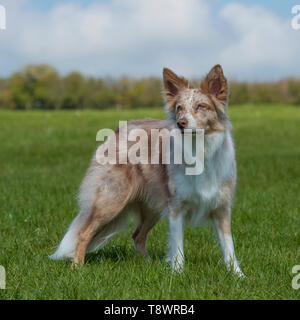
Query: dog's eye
[[179, 108], [200, 106]]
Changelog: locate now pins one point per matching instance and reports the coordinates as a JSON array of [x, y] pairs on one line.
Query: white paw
[[234, 266], [177, 263], [239, 272]]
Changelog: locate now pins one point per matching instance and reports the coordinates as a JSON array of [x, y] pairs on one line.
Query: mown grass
[[43, 158]]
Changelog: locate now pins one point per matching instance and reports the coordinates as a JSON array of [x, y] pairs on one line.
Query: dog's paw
[[176, 264], [239, 273], [76, 265]]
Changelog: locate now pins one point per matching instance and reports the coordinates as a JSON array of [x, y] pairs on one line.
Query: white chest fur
[[197, 195]]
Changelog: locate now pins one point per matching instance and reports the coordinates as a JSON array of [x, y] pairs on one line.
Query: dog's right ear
[[173, 84], [215, 84]]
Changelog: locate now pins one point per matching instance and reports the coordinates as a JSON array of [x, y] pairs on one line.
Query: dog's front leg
[[176, 255], [222, 222]]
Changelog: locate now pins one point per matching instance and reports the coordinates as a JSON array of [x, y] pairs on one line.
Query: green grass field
[[44, 156]]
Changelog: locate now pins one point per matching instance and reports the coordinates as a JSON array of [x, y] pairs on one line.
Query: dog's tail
[[67, 246]]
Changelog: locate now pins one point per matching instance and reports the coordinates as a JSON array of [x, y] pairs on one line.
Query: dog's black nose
[[182, 123]]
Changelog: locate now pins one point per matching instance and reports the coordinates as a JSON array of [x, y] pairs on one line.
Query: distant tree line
[[41, 87]]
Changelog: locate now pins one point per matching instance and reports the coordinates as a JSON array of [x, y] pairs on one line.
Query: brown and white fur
[[109, 193]]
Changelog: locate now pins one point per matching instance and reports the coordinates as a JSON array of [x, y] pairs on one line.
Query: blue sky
[[282, 7], [252, 39], [45, 5]]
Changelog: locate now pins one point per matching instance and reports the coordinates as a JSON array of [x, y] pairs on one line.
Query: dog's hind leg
[[104, 213], [108, 231], [147, 221]]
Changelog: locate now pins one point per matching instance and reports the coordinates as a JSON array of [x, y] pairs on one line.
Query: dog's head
[[197, 108]]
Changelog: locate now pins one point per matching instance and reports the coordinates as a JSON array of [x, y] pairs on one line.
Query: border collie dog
[[109, 193]]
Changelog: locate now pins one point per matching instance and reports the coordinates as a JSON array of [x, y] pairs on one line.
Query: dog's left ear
[[215, 84]]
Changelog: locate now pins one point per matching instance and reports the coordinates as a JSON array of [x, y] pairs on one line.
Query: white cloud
[[260, 41], [139, 37]]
